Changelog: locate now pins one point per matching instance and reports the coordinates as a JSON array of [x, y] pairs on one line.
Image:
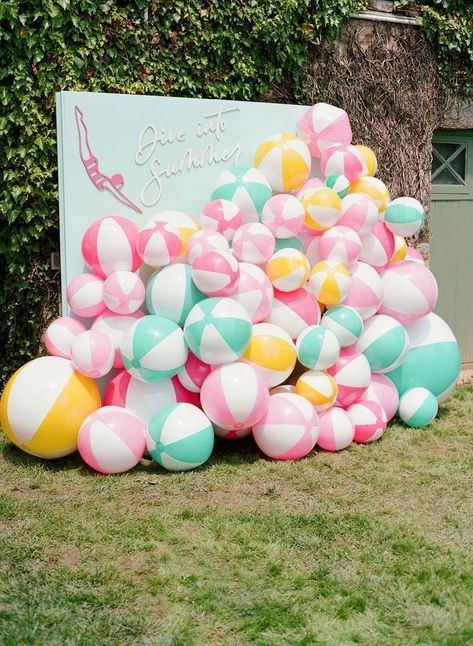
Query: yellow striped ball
[[285, 161], [318, 387], [272, 351], [400, 249], [288, 269], [374, 188], [369, 159], [330, 282], [322, 206]]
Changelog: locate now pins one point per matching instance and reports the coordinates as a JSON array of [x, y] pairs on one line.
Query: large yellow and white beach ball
[[285, 161]]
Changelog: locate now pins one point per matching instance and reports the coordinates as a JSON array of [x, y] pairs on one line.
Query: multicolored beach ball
[[246, 187], [171, 293], [285, 161]]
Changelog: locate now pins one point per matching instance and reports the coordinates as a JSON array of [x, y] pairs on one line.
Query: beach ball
[[414, 255], [112, 440], [153, 349], [373, 188], [366, 290], [400, 249], [231, 435], [171, 293], [311, 245], [115, 326], [352, 374], [378, 246], [359, 212], [368, 419], [288, 269], [294, 311], [312, 182], [318, 387], [158, 244], [409, 291], [322, 126], [272, 351], [60, 334], [246, 187], [433, 360], [343, 160], [92, 354], [284, 159], [222, 216], [404, 216], [180, 437], [145, 399], [289, 429], [340, 244], [418, 407], [369, 159], [254, 292], [288, 243], [283, 215], [345, 323], [384, 342], [193, 373], [217, 330], [185, 225], [44, 404], [234, 396], [203, 241], [283, 388], [109, 244], [330, 282], [254, 243], [215, 273], [85, 295], [317, 347], [123, 292], [336, 430], [382, 391], [322, 208], [339, 183]]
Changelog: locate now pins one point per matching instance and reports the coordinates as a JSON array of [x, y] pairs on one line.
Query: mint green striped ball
[[345, 323], [418, 407], [171, 292], [404, 216], [317, 347], [339, 183], [288, 243]]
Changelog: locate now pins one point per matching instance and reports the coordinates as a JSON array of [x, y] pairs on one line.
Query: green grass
[[369, 546]]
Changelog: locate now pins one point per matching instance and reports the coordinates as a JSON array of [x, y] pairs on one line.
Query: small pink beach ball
[[158, 244], [368, 419], [92, 354], [222, 216], [60, 335], [123, 292], [85, 295], [203, 241], [378, 246], [336, 430], [254, 292], [340, 244], [294, 311], [115, 326], [109, 244], [193, 374], [352, 374], [215, 273], [382, 391], [283, 214], [254, 243], [359, 212], [366, 290]]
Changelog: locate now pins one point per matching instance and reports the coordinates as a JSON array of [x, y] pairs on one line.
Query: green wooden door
[[451, 245]]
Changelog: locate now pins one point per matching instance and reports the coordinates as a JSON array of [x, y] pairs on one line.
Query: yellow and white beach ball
[[323, 208], [400, 249], [373, 188], [44, 404], [288, 269], [330, 282], [284, 160], [318, 387], [369, 159], [272, 351]]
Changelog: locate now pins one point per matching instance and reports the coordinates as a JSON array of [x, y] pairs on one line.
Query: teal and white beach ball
[[418, 407], [345, 323], [180, 437], [339, 183], [404, 216], [153, 349], [384, 342], [317, 347], [171, 293], [246, 187], [218, 330]]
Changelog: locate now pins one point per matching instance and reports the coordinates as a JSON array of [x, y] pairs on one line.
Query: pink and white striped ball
[[215, 273], [311, 246], [231, 435], [377, 247], [352, 374], [368, 419], [222, 216], [294, 311], [409, 291], [366, 290], [414, 255], [313, 182], [254, 243], [382, 391], [322, 126], [60, 335], [203, 241], [359, 212], [234, 396], [112, 440], [109, 244], [92, 354], [123, 292], [115, 326], [85, 295], [254, 292], [158, 244], [340, 244], [343, 160], [283, 214], [193, 374], [336, 430], [289, 429]]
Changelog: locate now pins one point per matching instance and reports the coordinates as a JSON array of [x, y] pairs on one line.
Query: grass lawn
[[369, 546]]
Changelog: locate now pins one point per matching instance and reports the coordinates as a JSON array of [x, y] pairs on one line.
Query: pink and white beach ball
[[193, 373], [294, 311], [222, 216], [112, 440], [414, 255], [158, 244], [123, 292], [203, 241], [336, 430], [60, 335], [352, 374], [382, 391], [283, 214], [254, 292], [115, 326], [289, 428], [378, 246], [234, 396], [215, 273], [359, 212], [340, 244], [366, 290], [109, 244], [231, 435], [92, 354], [368, 419], [312, 182], [322, 126], [85, 295], [343, 160], [311, 245], [254, 243]]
